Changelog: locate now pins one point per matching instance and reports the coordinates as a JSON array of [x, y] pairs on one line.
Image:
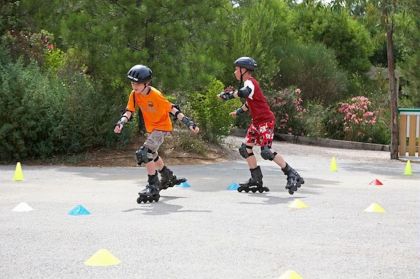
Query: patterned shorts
[[155, 140], [261, 134]]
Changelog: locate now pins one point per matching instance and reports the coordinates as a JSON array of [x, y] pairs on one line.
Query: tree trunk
[[392, 84]]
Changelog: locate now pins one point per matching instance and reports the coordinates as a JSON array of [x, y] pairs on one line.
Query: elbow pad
[[244, 92], [175, 115]]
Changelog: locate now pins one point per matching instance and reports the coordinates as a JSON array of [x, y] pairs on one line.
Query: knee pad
[[244, 152], [144, 155], [266, 153]]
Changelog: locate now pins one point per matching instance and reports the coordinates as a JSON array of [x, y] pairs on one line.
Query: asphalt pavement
[[208, 231]]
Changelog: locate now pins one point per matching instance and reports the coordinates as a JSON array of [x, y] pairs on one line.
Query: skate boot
[[168, 179], [255, 183], [294, 180], [151, 192]]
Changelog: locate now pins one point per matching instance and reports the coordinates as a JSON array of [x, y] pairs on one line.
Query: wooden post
[[412, 136], [403, 134]]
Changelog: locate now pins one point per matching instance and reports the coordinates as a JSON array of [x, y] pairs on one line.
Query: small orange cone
[[376, 182]]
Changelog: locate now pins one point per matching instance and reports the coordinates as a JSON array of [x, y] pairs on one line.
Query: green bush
[[315, 113], [26, 112], [42, 114], [211, 113], [184, 141], [333, 123], [314, 69]]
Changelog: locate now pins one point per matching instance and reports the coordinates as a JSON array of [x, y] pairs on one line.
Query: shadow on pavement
[[162, 208]]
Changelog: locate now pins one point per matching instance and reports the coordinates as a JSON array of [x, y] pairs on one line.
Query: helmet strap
[[242, 76], [146, 84]]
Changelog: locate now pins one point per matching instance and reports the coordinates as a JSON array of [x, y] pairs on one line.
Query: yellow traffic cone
[[298, 204], [333, 165], [407, 170], [290, 274], [375, 208], [18, 173], [102, 258]]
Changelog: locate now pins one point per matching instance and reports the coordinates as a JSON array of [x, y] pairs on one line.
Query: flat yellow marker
[[290, 274], [376, 208], [298, 204], [102, 258]]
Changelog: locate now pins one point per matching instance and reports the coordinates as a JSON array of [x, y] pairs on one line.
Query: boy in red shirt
[[261, 130], [155, 109]]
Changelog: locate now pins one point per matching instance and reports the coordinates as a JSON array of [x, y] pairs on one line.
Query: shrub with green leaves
[[314, 69], [315, 113], [42, 114], [211, 113]]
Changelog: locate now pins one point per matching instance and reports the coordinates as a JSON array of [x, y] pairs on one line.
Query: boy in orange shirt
[[155, 109]]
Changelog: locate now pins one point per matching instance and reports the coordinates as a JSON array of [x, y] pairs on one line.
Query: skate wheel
[[291, 192], [254, 190], [261, 190], [138, 200], [240, 189], [247, 190]]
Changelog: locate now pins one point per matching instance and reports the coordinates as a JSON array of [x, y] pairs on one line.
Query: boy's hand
[[226, 96], [233, 114], [227, 93], [230, 89], [118, 128], [194, 129]]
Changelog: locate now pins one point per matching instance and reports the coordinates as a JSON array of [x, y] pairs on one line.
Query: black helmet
[[246, 62], [139, 73]]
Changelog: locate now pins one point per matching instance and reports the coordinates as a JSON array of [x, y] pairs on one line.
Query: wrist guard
[[124, 119], [239, 111], [188, 122]]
